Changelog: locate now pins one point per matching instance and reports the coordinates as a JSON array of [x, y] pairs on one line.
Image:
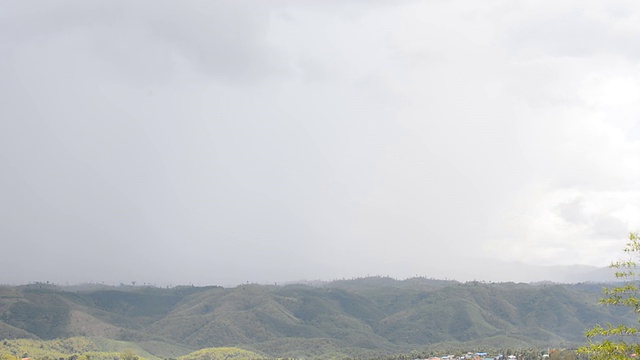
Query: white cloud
[[338, 138]]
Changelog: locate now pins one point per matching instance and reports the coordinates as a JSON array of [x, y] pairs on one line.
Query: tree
[[620, 341], [128, 354]]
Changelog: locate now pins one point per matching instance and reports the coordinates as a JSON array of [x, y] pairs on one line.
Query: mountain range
[[358, 317]]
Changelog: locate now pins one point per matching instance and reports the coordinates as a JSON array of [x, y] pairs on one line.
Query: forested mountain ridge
[[362, 316]]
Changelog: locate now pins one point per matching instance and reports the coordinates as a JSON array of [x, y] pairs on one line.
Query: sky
[[224, 142]]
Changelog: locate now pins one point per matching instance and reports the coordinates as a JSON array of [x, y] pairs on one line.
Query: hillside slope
[[372, 315]]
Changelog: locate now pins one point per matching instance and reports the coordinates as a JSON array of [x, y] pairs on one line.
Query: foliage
[[75, 348], [81, 348], [223, 353], [42, 316], [619, 341]]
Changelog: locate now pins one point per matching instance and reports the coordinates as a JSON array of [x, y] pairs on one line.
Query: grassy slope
[[100, 348], [222, 353]]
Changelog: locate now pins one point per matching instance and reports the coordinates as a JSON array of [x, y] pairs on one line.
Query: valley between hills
[[359, 318]]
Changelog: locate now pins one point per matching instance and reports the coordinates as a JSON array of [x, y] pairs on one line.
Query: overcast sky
[[220, 142]]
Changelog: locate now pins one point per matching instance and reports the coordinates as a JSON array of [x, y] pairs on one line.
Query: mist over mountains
[[505, 271], [481, 269]]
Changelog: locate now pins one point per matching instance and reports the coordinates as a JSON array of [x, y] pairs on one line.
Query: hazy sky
[[218, 142]]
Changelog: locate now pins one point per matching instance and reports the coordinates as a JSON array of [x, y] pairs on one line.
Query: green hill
[[362, 317], [222, 353]]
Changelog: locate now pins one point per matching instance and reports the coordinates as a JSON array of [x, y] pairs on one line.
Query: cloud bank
[[271, 141]]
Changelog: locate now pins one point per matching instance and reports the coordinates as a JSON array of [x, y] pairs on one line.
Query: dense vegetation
[[81, 348], [618, 342], [369, 317]]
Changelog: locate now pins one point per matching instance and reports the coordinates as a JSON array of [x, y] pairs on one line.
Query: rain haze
[[224, 142]]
